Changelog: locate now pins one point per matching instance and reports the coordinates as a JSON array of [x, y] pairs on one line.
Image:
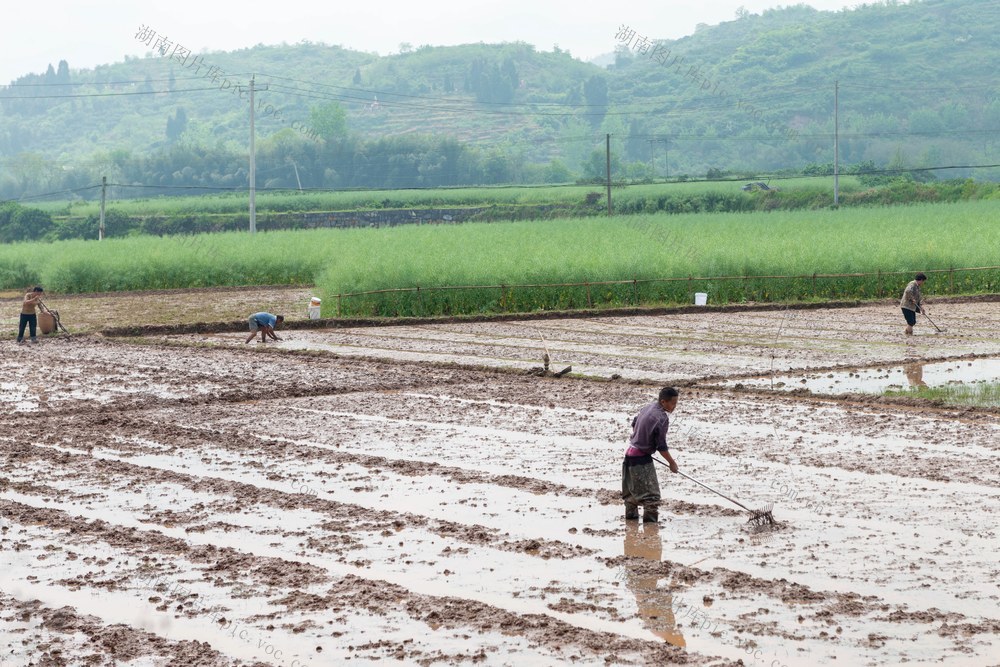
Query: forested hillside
[[917, 88]]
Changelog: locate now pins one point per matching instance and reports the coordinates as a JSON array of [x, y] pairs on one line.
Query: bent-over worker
[[266, 324]]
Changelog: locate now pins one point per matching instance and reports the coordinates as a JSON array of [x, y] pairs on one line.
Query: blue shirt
[[265, 319]]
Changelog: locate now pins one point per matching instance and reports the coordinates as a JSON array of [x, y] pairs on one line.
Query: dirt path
[[90, 313]]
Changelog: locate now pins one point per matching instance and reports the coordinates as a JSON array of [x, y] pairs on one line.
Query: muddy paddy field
[[424, 494]]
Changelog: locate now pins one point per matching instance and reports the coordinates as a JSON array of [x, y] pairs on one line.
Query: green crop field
[[646, 247], [640, 248], [150, 262]]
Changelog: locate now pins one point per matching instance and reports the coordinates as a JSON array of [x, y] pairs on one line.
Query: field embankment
[[281, 210]]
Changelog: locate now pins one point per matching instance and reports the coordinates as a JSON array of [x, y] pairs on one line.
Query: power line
[[914, 89], [50, 194], [107, 83], [136, 92]]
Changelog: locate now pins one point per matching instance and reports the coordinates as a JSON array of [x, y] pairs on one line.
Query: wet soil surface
[[675, 347], [165, 502]]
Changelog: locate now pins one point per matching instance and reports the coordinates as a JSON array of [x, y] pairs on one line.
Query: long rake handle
[[930, 320], [735, 502]]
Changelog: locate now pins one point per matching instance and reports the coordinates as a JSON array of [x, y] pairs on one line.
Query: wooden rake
[[758, 518]]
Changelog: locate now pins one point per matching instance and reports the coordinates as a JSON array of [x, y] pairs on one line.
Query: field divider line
[[523, 406], [437, 426], [565, 346], [356, 353], [417, 356], [522, 606], [583, 346]]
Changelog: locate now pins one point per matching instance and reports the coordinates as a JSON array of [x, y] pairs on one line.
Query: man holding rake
[[912, 302], [649, 435], [28, 316]]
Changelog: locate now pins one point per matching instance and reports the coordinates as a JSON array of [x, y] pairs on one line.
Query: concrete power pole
[[836, 143], [104, 192], [253, 166], [607, 157]]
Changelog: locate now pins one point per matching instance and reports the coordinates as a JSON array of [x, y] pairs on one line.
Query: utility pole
[[607, 157], [836, 143], [104, 192], [253, 166], [666, 155]]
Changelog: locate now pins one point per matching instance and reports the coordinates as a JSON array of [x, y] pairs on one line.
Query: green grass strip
[[980, 395]]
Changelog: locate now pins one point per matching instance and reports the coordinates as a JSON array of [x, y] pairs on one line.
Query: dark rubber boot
[[649, 516], [631, 512]]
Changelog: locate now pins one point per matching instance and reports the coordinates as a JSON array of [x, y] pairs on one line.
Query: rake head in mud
[[758, 518], [762, 518]]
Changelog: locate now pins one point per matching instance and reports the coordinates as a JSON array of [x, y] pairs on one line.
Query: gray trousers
[[640, 487]]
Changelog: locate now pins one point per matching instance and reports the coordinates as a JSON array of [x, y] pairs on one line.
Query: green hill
[[917, 88]]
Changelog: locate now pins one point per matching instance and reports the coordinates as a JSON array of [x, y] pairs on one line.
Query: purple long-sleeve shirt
[[649, 431]]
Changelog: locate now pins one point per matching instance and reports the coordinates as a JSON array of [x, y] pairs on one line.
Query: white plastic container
[[700, 298], [313, 309]]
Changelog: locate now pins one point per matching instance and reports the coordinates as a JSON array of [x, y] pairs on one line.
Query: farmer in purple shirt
[[649, 435]]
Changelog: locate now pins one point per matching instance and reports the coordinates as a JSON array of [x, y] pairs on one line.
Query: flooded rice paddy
[[416, 494]]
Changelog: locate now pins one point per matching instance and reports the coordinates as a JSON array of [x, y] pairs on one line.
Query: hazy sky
[[103, 31]]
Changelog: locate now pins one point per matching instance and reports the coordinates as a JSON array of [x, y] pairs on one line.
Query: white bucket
[[700, 298], [313, 312]]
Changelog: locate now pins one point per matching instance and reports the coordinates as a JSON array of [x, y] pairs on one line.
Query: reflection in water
[[655, 604], [43, 397], [915, 374]]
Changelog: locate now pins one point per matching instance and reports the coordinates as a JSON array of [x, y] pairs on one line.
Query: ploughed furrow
[[196, 591]]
